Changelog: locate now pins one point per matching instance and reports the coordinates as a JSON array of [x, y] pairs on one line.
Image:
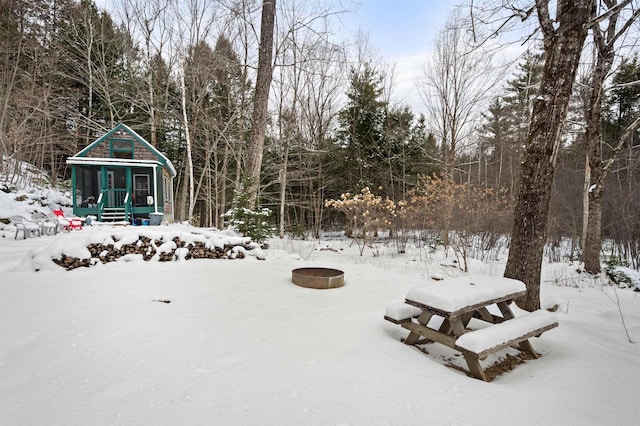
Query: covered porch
[[116, 190]]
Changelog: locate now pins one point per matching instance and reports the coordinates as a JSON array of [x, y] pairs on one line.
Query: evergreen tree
[[230, 119], [411, 151], [166, 107], [622, 105], [250, 222], [398, 147], [494, 144], [361, 133], [506, 121]]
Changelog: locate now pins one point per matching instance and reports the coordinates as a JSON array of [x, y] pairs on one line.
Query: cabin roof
[[85, 157]]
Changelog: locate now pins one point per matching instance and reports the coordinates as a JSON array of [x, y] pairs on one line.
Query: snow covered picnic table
[[456, 301]]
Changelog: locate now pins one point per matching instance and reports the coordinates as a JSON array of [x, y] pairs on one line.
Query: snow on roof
[[139, 139]]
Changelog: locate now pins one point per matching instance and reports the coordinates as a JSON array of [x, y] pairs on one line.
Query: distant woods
[[183, 75]]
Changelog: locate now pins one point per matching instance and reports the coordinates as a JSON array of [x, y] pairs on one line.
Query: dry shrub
[[366, 213], [467, 217]]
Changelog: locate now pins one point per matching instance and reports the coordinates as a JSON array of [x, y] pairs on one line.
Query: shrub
[[620, 274], [249, 222], [366, 213]]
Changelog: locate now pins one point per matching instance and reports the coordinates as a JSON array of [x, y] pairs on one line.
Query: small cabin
[[122, 177]]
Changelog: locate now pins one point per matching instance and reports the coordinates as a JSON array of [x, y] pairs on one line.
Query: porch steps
[[114, 214]]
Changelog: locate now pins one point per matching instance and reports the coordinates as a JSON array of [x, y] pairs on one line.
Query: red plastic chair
[[72, 222]]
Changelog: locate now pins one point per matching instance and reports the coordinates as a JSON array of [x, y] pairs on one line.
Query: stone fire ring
[[320, 278]]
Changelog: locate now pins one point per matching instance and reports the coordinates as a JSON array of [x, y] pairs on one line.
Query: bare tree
[[302, 55], [318, 111], [15, 46], [606, 34], [261, 97], [563, 41], [194, 26], [456, 82], [148, 22], [239, 22]]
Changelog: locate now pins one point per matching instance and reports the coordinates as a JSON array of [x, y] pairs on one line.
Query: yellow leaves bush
[[365, 211], [435, 203]]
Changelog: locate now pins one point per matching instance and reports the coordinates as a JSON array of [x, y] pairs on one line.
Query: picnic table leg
[[423, 319], [474, 366], [458, 325], [505, 310], [466, 318], [525, 345], [484, 314], [445, 327]]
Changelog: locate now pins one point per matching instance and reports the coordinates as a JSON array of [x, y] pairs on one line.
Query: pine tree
[[361, 133]]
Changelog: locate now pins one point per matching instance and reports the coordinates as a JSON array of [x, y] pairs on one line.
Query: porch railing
[[114, 198], [127, 207]]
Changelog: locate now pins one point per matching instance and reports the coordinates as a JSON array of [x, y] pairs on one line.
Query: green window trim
[[121, 146]]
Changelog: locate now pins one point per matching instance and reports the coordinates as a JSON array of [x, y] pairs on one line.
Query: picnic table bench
[[457, 301]]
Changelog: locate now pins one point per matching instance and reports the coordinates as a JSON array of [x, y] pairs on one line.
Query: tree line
[[185, 76]]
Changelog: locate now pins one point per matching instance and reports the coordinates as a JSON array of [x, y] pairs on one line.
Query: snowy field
[[239, 344]]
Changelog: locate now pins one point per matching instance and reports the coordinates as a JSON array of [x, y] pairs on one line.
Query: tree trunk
[[599, 172], [596, 168], [261, 99], [594, 173], [563, 46], [283, 194], [187, 135], [593, 178], [152, 100], [222, 205], [592, 243]]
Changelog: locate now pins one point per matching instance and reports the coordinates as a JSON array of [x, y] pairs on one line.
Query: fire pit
[[320, 278]]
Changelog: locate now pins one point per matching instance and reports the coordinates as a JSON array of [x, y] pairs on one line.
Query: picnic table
[[456, 301]]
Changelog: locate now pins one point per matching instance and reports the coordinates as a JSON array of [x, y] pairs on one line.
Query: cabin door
[[111, 179], [141, 190]]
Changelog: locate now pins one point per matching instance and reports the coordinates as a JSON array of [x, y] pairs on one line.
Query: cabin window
[[167, 190], [121, 149], [87, 186]]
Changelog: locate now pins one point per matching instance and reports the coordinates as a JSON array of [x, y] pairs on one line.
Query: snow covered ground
[[239, 344]]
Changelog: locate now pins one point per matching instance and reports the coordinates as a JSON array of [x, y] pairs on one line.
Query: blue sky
[[402, 33], [401, 27]]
